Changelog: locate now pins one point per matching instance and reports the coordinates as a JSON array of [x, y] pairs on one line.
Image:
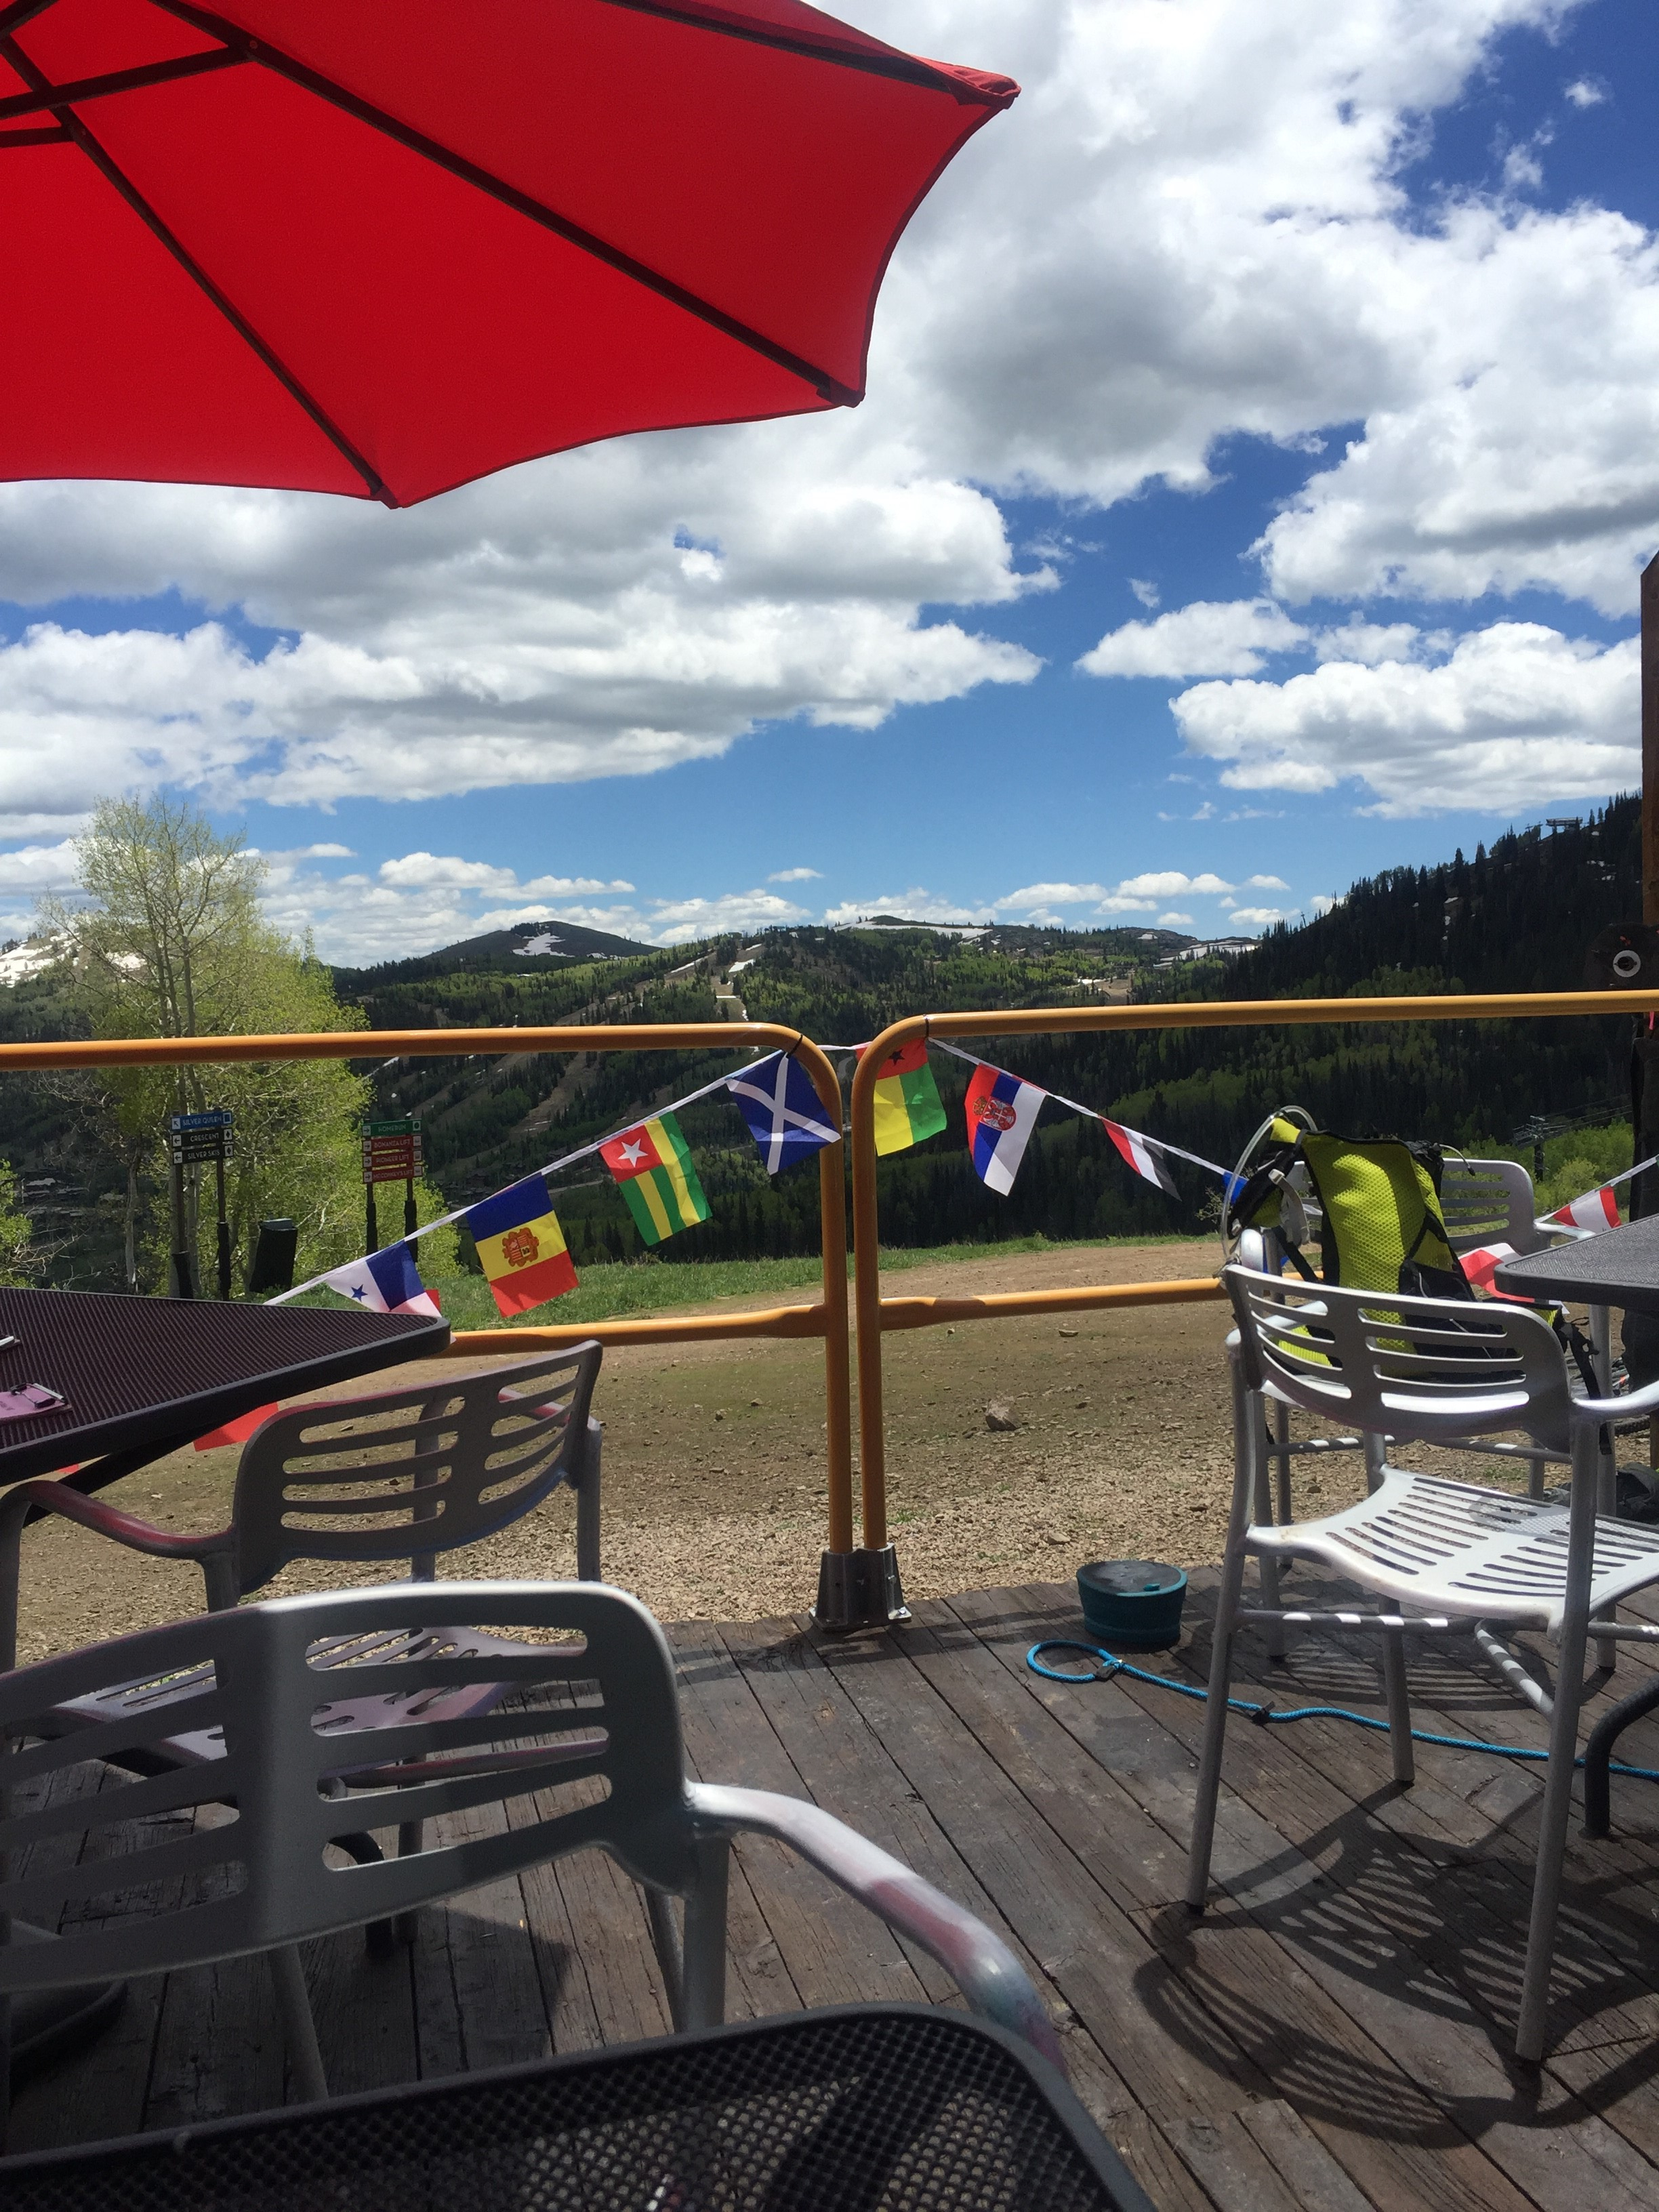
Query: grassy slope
[[606, 1292]]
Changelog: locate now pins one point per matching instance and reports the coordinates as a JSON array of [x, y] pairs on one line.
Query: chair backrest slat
[[413, 1471], [1489, 1202], [1424, 1368], [237, 1853]]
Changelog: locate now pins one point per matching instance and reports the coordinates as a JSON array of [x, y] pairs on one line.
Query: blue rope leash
[[1267, 1715]]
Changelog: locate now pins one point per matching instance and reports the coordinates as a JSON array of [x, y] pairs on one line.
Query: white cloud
[[796, 876], [1146, 594], [1322, 902], [1173, 920], [1369, 642], [1518, 715], [1210, 637], [1048, 895], [435, 868], [1190, 225], [1266, 884], [1257, 917], [421, 900], [1170, 882], [913, 905], [1585, 92]]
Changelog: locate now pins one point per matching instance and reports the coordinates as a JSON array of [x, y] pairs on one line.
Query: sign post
[[194, 1139], [392, 1153]]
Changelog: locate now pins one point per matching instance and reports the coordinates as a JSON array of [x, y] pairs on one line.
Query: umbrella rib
[[313, 81], [132, 80], [908, 69], [115, 176]]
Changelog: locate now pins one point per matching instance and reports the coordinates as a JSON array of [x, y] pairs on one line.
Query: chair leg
[[1261, 1510], [703, 1951], [1564, 1747], [1400, 1706], [1376, 1452], [1245, 1414], [1283, 1512], [666, 1942], [588, 1566], [299, 2028]]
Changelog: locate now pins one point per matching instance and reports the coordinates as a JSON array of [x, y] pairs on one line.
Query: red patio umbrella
[[383, 246]]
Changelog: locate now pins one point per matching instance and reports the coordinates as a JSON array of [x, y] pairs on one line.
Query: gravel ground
[[714, 1463]]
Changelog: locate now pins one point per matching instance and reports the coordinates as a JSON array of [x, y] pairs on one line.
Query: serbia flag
[[1002, 1112]]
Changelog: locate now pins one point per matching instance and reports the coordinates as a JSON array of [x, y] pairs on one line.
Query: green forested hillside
[[1517, 916]]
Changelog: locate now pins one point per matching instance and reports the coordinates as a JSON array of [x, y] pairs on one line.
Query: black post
[[184, 1285], [374, 1232], [411, 1218], [224, 1229]]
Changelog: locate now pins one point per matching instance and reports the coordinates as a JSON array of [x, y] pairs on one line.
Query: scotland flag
[[785, 1116]]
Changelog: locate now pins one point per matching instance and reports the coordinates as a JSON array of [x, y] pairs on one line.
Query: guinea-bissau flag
[[908, 1104], [653, 1163], [521, 1246]]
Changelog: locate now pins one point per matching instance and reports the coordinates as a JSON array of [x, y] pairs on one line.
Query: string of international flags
[[527, 1261]]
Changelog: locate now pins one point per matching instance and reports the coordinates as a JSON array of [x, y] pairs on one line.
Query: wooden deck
[[1333, 2034]]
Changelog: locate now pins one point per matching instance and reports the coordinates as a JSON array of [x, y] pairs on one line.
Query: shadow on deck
[[1333, 2033]]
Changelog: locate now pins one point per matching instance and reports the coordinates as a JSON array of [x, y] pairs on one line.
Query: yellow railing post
[[876, 1570]]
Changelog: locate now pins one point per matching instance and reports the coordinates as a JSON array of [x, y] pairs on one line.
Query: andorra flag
[[1002, 1112], [653, 1163], [521, 1246], [907, 1103]]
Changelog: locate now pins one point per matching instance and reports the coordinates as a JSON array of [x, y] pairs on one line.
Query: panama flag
[[1002, 1112], [384, 1282], [1592, 1209], [1139, 1151]]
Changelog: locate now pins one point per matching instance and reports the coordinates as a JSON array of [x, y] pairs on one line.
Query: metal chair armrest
[[980, 1963], [47, 1495], [1644, 1401]]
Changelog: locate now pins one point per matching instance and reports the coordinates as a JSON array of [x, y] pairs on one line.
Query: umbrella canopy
[[383, 246]]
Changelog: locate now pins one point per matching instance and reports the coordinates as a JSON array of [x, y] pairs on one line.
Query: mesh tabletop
[[1620, 1267], [138, 1371], [866, 2109]]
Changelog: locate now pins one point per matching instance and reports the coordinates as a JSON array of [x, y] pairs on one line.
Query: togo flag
[[1002, 1112], [1591, 1209], [653, 1163], [787, 1119], [908, 1104], [1141, 1153], [384, 1282], [521, 1246]]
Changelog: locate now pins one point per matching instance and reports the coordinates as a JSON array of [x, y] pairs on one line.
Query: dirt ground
[[714, 1481]]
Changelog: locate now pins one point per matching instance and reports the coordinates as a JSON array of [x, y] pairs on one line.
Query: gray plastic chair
[[1434, 1370], [403, 1474], [240, 1849]]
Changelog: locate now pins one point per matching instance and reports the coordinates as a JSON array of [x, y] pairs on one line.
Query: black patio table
[[140, 1378], [903, 2107], [1620, 1267]]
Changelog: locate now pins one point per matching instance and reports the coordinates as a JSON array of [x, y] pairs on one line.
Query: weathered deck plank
[[1331, 2034]]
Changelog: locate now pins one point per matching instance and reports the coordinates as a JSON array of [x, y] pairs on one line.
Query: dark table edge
[[164, 2144], [151, 1434]]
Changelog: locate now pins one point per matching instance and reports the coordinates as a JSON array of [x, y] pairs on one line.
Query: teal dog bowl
[[1132, 1605]]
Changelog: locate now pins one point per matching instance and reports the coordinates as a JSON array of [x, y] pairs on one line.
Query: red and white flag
[[1480, 1266], [1591, 1209], [1140, 1154]]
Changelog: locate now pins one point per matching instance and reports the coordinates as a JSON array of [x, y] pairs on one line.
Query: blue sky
[[1259, 457]]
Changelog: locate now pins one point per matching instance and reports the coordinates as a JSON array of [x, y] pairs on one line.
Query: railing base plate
[[860, 1589]]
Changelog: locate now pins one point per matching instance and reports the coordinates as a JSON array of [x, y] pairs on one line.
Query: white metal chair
[[1459, 1555], [242, 1847]]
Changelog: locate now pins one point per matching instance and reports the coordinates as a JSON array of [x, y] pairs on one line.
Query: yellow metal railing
[[878, 1577], [858, 1583]]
